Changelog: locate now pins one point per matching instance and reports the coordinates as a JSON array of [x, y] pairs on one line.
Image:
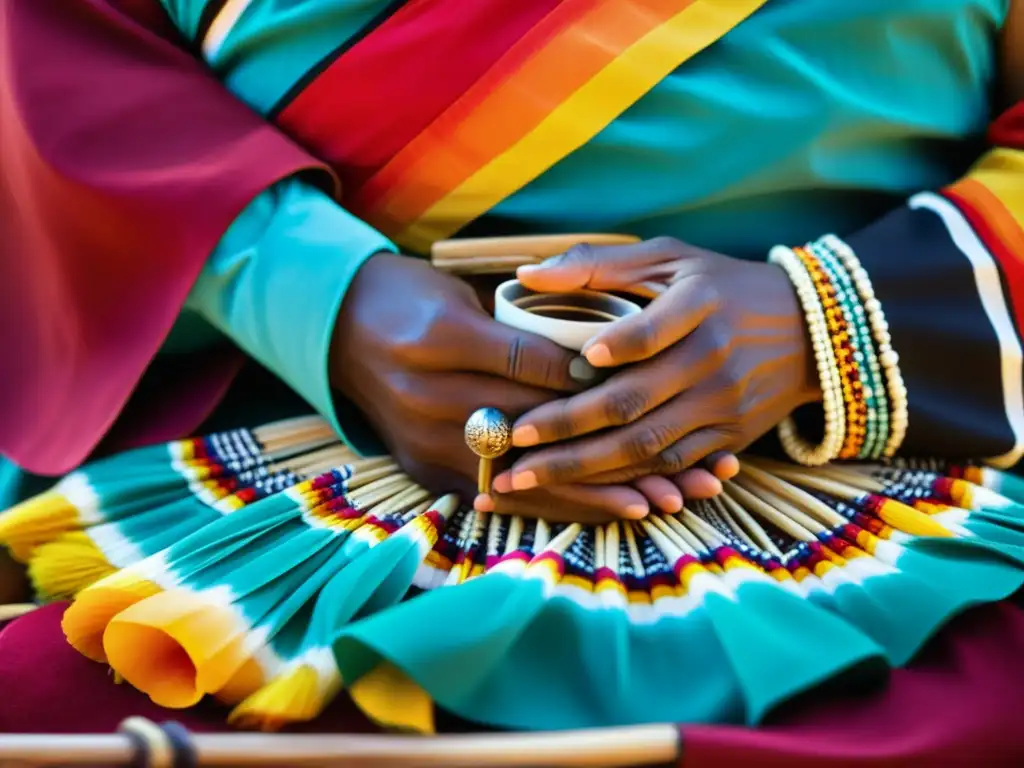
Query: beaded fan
[[270, 568]]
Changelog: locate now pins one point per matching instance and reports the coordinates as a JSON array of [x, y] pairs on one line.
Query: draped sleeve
[[124, 163], [948, 268]]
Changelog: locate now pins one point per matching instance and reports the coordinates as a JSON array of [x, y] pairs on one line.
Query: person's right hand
[[415, 351]]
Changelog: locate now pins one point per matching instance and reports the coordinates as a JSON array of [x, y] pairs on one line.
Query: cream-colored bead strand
[[798, 449], [887, 356]]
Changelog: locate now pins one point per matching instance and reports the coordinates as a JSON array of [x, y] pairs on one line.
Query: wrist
[[350, 316]]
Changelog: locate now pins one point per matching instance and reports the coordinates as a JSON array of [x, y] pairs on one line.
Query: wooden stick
[[737, 530], [796, 497], [10, 611], [750, 525], [760, 507], [538, 247], [859, 476], [598, 748], [288, 425]]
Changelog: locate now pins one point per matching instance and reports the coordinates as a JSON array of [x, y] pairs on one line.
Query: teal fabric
[[276, 281], [811, 116], [841, 97]]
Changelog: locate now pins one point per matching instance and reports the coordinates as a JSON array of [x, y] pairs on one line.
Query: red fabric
[[358, 133], [1008, 129], [123, 162], [157, 413], [959, 704]]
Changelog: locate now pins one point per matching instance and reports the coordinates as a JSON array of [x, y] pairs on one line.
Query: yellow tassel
[[36, 521], [87, 618], [61, 569], [392, 699], [909, 520], [297, 696], [175, 646], [249, 678]]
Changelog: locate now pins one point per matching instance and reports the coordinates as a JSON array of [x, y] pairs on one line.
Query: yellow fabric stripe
[[584, 114], [1002, 172]]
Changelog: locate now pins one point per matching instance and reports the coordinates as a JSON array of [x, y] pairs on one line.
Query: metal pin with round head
[[488, 435]]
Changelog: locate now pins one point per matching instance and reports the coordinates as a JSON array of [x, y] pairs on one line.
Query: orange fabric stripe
[[505, 105], [1004, 233]]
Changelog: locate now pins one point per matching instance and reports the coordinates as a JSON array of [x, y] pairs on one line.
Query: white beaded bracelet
[[798, 449], [887, 356]]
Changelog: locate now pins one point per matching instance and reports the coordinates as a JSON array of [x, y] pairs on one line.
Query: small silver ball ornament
[[489, 433]]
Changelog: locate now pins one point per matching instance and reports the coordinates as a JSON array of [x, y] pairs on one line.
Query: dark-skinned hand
[[716, 360], [415, 351]]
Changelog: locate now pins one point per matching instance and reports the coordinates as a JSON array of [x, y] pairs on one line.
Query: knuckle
[[706, 292], [673, 460], [527, 361], [515, 361], [581, 253], [410, 348], [645, 444], [642, 338], [563, 424], [718, 343], [625, 407], [564, 468], [410, 394], [732, 385]]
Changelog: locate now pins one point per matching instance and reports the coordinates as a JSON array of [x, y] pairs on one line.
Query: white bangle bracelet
[[798, 449]]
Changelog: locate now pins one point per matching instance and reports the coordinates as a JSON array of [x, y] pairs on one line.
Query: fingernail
[[524, 481], [528, 268], [599, 355], [502, 483], [583, 372], [525, 436], [636, 511], [727, 467], [483, 503], [671, 504], [715, 486]]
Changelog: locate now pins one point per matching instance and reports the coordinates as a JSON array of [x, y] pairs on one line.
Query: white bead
[[889, 358]]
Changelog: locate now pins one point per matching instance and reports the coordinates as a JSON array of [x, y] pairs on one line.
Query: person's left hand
[[714, 362]]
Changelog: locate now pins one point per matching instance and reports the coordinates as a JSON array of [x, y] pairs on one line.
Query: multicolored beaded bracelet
[[860, 432], [840, 336], [897, 389], [798, 449], [873, 383]]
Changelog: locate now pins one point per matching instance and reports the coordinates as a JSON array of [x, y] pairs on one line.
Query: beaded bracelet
[[795, 446], [841, 338], [897, 389], [875, 404]]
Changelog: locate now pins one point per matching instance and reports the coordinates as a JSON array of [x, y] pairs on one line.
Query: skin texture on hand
[[414, 350], [714, 362]]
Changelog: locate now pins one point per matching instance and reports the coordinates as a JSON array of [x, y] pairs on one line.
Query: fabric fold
[[124, 162]]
